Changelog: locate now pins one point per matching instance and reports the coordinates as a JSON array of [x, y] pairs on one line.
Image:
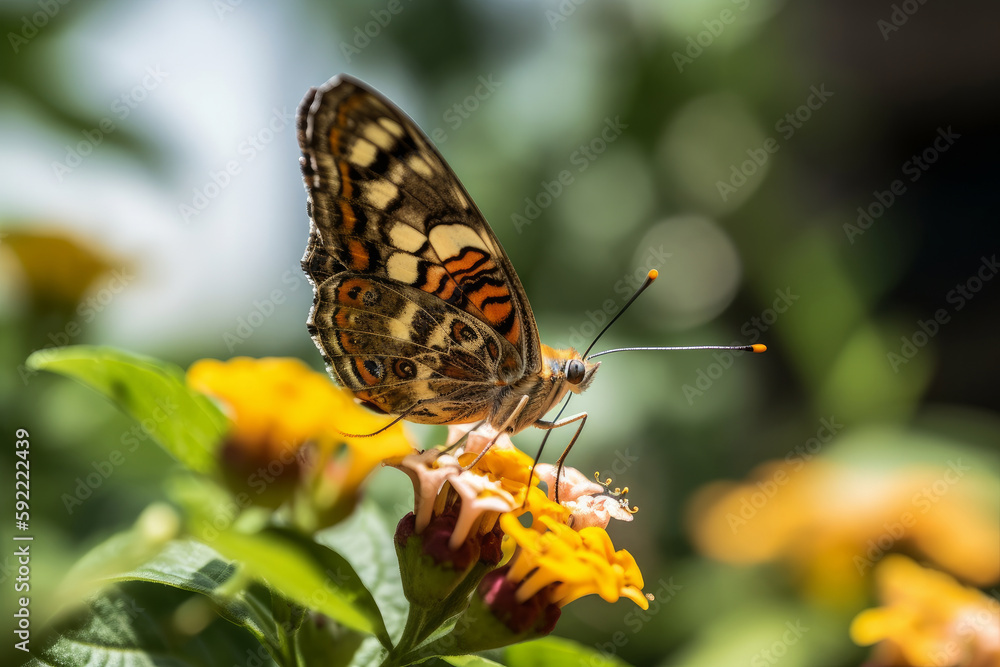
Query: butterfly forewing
[[417, 308]]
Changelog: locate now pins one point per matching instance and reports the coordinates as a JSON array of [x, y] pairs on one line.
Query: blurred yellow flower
[[57, 268], [833, 522], [278, 406], [928, 620]]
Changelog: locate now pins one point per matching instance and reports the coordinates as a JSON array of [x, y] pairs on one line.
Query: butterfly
[[417, 309]]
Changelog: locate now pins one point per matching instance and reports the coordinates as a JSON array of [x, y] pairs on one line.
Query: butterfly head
[[569, 367]]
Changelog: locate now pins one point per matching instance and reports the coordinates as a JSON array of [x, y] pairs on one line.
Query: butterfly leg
[[548, 426], [501, 430], [458, 443]]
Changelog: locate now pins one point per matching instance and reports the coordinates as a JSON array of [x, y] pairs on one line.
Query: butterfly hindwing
[[415, 300]]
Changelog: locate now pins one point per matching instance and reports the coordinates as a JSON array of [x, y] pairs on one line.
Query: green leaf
[[195, 567], [557, 651], [184, 564], [327, 644], [192, 566], [366, 541], [138, 625], [470, 661], [184, 422], [310, 574], [372, 652]]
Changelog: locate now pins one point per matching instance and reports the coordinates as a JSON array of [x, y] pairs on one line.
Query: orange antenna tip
[[758, 348], [653, 273]]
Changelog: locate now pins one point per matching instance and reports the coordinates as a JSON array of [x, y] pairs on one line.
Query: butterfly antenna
[[756, 348], [650, 277]]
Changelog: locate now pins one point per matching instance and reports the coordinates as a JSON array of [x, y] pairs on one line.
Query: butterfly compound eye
[[575, 370]]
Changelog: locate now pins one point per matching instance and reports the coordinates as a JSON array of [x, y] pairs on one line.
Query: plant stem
[[415, 621], [453, 604]]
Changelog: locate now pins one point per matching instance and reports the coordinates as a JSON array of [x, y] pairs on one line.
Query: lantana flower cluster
[[484, 543], [553, 552]]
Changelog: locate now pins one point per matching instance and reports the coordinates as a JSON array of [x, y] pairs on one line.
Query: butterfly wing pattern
[[416, 309]]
